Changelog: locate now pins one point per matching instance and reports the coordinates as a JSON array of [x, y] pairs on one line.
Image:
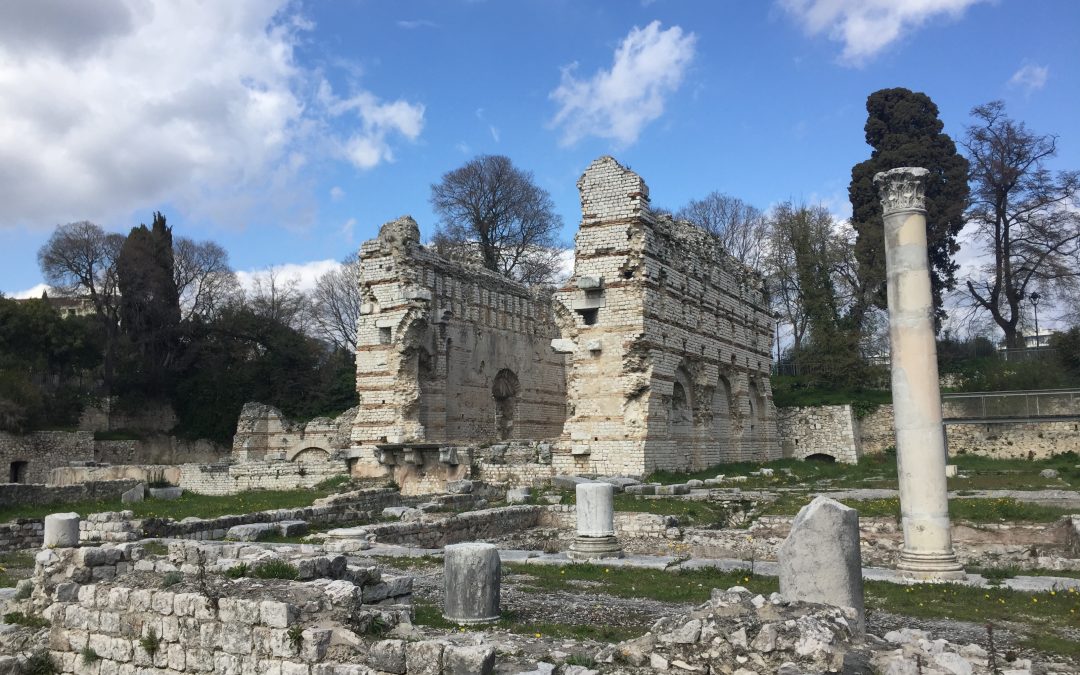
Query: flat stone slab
[[251, 532], [620, 483], [393, 551], [134, 495], [676, 489], [168, 493], [642, 489], [518, 495], [515, 556], [347, 533], [400, 512], [569, 482], [292, 528]]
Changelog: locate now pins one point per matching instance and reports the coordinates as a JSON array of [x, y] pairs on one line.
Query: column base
[[930, 566], [593, 548], [471, 622]]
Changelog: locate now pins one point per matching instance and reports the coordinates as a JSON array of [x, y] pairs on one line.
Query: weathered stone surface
[[820, 560], [424, 658], [135, 494], [472, 574], [468, 660], [251, 532], [292, 528], [595, 510], [1049, 473], [388, 656], [166, 493], [61, 530], [518, 495], [459, 487], [568, 482]]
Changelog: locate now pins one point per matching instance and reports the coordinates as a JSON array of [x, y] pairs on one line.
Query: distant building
[[67, 306]]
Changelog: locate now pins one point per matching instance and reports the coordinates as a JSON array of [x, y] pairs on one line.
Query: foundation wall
[[829, 430]]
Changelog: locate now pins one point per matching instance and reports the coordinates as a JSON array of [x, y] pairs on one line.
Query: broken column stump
[[61, 530], [472, 573], [820, 560]]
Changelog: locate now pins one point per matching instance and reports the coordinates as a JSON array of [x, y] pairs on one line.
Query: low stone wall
[[33, 455], [14, 494], [628, 526], [514, 463], [876, 430], [159, 449], [471, 526], [1014, 440], [228, 479], [829, 430], [77, 475], [342, 508], [21, 534]]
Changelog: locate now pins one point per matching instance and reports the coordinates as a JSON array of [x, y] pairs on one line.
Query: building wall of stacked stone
[[263, 433], [827, 430], [21, 534], [228, 479], [33, 455], [655, 355], [448, 352]]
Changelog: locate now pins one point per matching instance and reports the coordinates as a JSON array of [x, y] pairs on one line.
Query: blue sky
[[289, 131]]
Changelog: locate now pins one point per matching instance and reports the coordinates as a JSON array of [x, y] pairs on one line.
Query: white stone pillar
[[61, 530], [472, 574], [595, 523], [920, 437]]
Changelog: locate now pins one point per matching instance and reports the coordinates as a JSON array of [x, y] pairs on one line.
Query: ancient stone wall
[[263, 433], [875, 430], [669, 340], [469, 526], [228, 479], [18, 494], [158, 449], [20, 534], [828, 430], [655, 355], [143, 473], [28, 458], [105, 414], [448, 352]]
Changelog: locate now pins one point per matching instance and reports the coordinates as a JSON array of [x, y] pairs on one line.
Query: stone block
[[568, 482], [292, 528], [167, 493], [61, 530], [820, 560], [388, 656], [424, 658], [563, 346], [951, 471], [468, 660], [134, 495], [459, 487], [251, 532], [619, 482], [676, 489], [518, 495]]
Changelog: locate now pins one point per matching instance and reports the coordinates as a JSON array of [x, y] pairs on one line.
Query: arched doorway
[[504, 389]]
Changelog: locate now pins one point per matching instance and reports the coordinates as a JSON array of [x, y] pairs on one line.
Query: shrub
[[296, 637], [275, 569], [150, 643], [39, 663], [89, 655], [237, 571], [171, 579]]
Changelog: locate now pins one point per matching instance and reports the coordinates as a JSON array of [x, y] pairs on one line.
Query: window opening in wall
[[589, 316], [18, 472], [385, 335]]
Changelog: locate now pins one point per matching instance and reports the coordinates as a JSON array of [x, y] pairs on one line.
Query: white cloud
[[303, 274], [617, 103], [336, 193], [347, 229], [367, 145], [32, 292], [494, 132], [866, 27], [1030, 77], [136, 103]]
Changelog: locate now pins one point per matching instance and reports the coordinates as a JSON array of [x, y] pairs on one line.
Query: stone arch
[[681, 407], [721, 409], [310, 454], [820, 457], [505, 389]]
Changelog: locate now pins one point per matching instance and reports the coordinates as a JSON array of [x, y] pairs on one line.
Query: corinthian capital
[[902, 189]]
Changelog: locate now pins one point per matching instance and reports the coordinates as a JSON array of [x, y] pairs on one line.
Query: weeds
[[296, 637], [237, 571], [150, 643], [89, 655], [275, 569], [27, 620], [39, 663], [171, 579]]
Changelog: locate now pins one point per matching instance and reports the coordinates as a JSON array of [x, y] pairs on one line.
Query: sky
[[288, 132]]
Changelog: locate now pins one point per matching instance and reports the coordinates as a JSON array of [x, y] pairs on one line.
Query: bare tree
[[336, 304], [741, 227], [204, 279], [494, 213], [281, 300], [79, 259], [1027, 217]]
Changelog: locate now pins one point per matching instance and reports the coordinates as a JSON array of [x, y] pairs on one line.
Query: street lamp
[[1035, 303]]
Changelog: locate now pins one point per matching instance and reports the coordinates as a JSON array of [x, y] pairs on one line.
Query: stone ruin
[[655, 354]]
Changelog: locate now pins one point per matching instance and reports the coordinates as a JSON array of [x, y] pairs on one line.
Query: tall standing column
[[920, 437]]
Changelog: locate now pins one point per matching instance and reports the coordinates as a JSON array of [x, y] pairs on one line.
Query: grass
[[791, 391], [1045, 613], [155, 548], [188, 505], [27, 620], [15, 560], [973, 509], [689, 511], [690, 586], [428, 614], [275, 569]]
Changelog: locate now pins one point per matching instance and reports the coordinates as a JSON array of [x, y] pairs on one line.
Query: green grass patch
[[1045, 613], [424, 562], [789, 391], [155, 548], [188, 505], [14, 567], [683, 586], [689, 511], [274, 569], [1002, 510], [428, 614], [27, 620]]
